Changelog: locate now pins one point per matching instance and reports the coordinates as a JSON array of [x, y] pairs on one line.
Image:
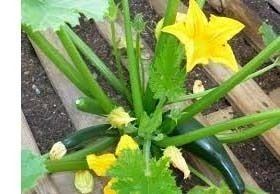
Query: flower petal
[[100, 164], [126, 142], [179, 30], [223, 29], [107, 189], [224, 54], [196, 21], [196, 54]]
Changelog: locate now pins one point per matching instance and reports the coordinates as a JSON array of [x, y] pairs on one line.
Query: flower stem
[[116, 51], [61, 166], [276, 63], [201, 3], [248, 133], [57, 58], [138, 57], [98, 64], [132, 65], [201, 176], [180, 140], [92, 84], [147, 153]]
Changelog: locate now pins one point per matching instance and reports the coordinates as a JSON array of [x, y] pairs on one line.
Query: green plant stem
[[116, 52], [62, 166], [138, 57], [201, 3], [54, 55], [223, 89], [248, 133], [98, 64], [251, 76], [201, 176], [147, 153], [99, 146], [92, 84], [189, 137], [132, 64]]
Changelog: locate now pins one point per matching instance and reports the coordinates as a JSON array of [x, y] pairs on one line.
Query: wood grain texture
[[238, 10], [68, 93], [248, 97], [275, 4], [201, 165], [45, 185]]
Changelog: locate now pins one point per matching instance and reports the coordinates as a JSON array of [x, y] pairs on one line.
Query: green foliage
[[223, 189], [139, 23], [44, 14], [167, 77], [112, 11], [32, 168], [268, 34], [148, 125], [129, 171]]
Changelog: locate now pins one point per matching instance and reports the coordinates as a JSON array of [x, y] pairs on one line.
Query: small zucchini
[[84, 135]]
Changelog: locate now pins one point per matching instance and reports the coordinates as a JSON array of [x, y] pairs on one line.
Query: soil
[[49, 121], [41, 106]]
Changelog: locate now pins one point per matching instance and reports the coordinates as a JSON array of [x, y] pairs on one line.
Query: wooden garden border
[[63, 182]]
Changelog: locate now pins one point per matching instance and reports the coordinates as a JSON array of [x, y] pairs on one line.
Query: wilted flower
[[118, 118], [84, 181], [177, 160], [198, 87], [58, 150]]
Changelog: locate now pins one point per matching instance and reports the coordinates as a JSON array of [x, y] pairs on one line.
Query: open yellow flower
[[108, 188], [100, 164], [206, 40]]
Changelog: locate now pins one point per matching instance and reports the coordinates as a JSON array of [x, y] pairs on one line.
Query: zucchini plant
[[147, 137]]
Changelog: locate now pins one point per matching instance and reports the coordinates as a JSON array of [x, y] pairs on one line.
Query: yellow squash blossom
[[107, 189], [126, 142], [84, 181], [206, 40], [118, 118], [100, 164]]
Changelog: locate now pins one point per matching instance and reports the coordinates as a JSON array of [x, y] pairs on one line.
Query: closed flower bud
[[58, 151], [126, 142], [118, 118], [177, 160], [84, 181]]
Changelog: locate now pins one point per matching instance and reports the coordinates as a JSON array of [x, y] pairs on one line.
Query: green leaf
[[112, 11], [167, 77], [223, 189], [148, 125], [129, 171], [32, 168], [268, 35], [44, 14]]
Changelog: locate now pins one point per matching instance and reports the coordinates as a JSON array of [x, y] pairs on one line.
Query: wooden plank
[[68, 94], [275, 96], [247, 97], [224, 114], [104, 29], [238, 10], [45, 185], [275, 4]]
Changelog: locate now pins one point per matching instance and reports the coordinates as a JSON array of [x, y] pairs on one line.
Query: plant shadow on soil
[[49, 121]]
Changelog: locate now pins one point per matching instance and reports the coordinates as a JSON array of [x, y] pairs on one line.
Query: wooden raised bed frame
[[248, 98]]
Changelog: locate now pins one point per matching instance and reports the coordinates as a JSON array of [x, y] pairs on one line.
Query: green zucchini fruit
[[212, 151], [84, 135]]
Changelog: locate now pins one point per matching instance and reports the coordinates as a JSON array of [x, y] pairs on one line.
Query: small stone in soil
[[36, 89]]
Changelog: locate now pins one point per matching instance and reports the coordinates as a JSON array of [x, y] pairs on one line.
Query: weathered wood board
[[45, 185]]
